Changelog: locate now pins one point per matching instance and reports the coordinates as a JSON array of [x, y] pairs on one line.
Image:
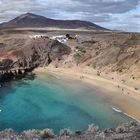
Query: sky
[[113, 14]]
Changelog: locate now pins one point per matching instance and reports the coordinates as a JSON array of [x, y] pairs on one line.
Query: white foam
[[117, 110], [120, 111], [57, 77]]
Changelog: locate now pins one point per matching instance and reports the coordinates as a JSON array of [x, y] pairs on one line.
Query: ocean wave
[[117, 110], [120, 111]]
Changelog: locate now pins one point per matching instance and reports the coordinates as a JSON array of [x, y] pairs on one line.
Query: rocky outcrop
[[40, 52], [129, 131], [5, 64], [35, 52]]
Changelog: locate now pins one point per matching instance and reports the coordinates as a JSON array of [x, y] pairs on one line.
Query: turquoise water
[[51, 102]]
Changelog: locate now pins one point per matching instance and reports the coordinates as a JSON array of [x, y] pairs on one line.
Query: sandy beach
[[122, 96]]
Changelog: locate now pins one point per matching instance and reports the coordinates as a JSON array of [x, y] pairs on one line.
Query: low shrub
[[47, 133], [93, 128], [65, 132]]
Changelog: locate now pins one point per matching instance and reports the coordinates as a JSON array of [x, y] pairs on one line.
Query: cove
[[46, 101]]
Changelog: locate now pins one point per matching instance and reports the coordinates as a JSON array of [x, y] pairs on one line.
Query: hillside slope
[[32, 20]]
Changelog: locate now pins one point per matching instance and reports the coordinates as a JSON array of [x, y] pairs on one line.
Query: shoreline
[[120, 111], [128, 104]]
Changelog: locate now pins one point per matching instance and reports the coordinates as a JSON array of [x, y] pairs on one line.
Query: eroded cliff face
[[33, 53]]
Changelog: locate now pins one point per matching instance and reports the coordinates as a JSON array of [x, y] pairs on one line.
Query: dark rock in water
[[131, 131], [19, 72], [78, 132]]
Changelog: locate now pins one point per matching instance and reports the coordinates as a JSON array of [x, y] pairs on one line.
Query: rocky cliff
[[33, 53]]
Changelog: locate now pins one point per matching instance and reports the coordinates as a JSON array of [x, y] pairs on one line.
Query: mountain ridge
[[33, 20]]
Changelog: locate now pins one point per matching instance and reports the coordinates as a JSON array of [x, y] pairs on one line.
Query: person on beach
[[81, 77]]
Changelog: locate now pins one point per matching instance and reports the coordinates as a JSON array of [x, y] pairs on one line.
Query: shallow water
[[53, 102]]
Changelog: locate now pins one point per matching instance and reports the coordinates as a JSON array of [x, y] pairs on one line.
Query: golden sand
[[125, 97]]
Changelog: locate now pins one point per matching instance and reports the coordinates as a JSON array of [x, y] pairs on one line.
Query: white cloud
[[104, 12]]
